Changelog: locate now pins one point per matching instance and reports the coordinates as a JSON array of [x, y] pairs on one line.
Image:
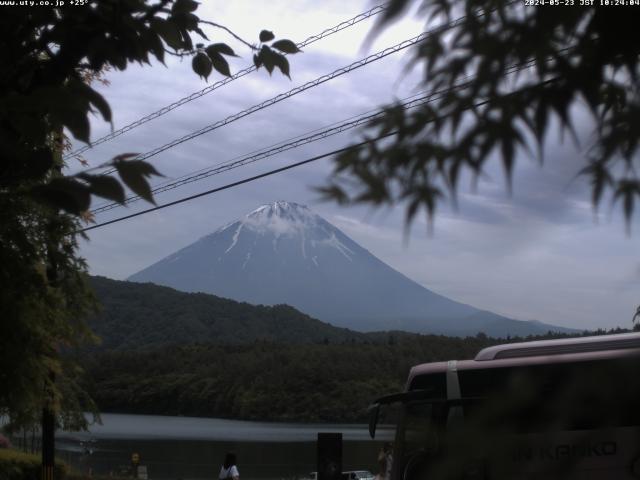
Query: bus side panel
[[571, 455]]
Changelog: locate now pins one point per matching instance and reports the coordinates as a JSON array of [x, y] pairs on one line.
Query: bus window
[[434, 383], [418, 431], [571, 396]]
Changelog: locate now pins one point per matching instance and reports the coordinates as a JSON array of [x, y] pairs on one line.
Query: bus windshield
[[418, 437], [419, 430]]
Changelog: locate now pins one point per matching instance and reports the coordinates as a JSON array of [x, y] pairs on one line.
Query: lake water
[[193, 448]]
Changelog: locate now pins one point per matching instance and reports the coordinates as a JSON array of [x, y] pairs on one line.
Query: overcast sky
[[540, 254]]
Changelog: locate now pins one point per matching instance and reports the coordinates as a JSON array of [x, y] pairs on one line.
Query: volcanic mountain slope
[[284, 253]]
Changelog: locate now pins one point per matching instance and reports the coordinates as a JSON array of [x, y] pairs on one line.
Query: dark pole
[[329, 456], [48, 413], [48, 438]]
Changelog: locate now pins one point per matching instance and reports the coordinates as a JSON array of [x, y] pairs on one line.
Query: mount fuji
[[283, 253]]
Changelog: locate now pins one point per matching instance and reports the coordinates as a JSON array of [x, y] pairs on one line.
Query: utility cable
[[234, 184], [278, 170], [311, 84], [164, 110], [317, 134]]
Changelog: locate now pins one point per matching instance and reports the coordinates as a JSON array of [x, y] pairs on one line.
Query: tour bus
[[566, 408]]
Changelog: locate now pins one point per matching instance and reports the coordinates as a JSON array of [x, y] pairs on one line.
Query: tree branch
[[213, 24], [177, 54]]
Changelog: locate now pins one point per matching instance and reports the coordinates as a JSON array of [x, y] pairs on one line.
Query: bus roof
[[541, 352], [620, 341]]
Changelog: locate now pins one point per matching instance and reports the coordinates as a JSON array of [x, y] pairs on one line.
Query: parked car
[[358, 475]]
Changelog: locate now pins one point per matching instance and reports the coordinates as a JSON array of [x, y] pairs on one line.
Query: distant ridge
[[283, 253], [137, 316]]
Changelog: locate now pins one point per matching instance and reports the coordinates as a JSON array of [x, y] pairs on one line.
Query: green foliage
[[44, 89], [202, 65], [263, 380], [44, 294], [48, 59], [134, 174], [268, 57], [285, 46], [105, 186], [585, 55], [252, 362], [215, 54], [212, 57], [15, 465]]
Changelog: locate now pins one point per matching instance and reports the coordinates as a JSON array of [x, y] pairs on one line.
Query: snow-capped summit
[[290, 211], [282, 252], [281, 218], [292, 225]]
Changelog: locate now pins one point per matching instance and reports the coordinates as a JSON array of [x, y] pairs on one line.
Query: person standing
[[382, 466], [229, 470], [388, 457]]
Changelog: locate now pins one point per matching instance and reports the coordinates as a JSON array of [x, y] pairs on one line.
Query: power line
[[311, 84], [314, 135], [234, 184], [164, 110], [288, 167], [318, 134]]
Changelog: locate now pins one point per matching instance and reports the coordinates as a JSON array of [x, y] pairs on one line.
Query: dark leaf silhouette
[[268, 58], [501, 77], [65, 193], [282, 63], [134, 174], [168, 32], [221, 48], [219, 63], [184, 6], [201, 65], [285, 46], [104, 186], [266, 36]]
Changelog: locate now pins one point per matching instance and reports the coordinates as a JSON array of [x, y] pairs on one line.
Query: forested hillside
[[137, 315], [173, 353], [266, 381]]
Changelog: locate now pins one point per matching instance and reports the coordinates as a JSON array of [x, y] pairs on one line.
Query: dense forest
[[250, 362], [139, 315], [267, 381]]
